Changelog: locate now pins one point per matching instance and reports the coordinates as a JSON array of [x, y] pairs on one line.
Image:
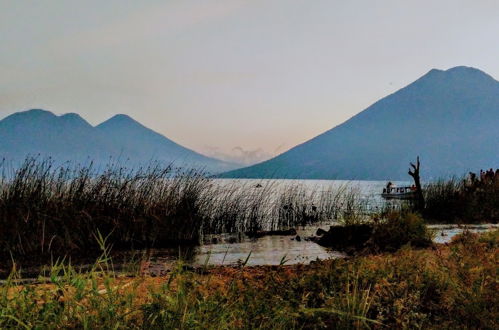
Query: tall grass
[[459, 201], [240, 206], [47, 210]]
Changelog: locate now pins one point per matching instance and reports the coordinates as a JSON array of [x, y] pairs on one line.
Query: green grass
[[450, 287]]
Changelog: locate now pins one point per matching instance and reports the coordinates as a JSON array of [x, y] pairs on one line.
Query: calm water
[[274, 250], [234, 249], [367, 192]]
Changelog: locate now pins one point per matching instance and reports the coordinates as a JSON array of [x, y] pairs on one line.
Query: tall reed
[[47, 209], [460, 201]]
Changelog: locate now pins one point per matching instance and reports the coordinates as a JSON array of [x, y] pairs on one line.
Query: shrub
[[394, 230], [398, 229]]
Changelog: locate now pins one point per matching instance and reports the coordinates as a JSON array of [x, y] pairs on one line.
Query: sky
[[239, 80]]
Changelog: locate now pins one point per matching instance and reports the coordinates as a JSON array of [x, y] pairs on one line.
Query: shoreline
[[161, 261], [444, 286]]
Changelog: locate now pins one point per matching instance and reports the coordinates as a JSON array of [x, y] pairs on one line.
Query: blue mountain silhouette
[[449, 118], [70, 138]]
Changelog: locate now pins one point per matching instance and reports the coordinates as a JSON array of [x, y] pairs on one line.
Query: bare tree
[[414, 172]]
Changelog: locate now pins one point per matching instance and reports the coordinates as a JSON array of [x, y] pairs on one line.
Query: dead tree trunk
[[414, 172]]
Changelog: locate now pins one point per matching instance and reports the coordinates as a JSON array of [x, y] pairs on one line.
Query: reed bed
[[48, 210], [461, 201], [240, 206]]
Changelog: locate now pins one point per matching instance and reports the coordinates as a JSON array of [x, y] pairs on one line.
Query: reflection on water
[[236, 249], [267, 250], [271, 250]]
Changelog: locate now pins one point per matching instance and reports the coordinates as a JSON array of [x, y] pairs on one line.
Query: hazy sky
[[229, 76]]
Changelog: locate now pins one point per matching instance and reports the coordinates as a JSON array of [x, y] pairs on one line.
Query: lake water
[[366, 189]]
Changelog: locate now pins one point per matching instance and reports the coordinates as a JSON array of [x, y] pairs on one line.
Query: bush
[[390, 233], [398, 229]]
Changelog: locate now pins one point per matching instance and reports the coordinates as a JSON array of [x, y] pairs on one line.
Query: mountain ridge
[[69, 137], [433, 115]]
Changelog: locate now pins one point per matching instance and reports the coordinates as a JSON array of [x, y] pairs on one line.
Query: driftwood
[[414, 172]]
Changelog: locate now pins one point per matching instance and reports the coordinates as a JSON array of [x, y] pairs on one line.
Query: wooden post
[[414, 172]]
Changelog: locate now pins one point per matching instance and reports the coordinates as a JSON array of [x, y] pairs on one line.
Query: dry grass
[[447, 287]]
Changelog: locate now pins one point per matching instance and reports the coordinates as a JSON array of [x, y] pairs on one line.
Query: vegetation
[[55, 211], [462, 201], [386, 232], [397, 229], [48, 212], [447, 287], [45, 209]]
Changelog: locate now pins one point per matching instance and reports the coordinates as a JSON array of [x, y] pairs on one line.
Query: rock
[[320, 232], [346, 238], [298, 238]]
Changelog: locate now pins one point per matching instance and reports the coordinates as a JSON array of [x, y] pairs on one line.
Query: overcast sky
[[228, 76]]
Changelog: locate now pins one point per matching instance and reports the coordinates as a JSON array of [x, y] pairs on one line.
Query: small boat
[[394, 192]]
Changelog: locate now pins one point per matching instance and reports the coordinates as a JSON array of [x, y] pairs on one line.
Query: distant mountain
[[140, 142], [70, 138], [449, 118]]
